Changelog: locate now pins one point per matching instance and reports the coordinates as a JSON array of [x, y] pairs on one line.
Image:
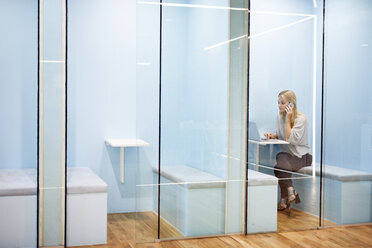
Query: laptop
[[254, 135]]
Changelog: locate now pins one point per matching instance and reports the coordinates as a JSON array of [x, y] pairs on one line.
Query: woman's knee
[[281, 158], [281, 155], [278, 173]]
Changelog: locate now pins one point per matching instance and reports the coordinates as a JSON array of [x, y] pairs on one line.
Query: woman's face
[[282, 103]]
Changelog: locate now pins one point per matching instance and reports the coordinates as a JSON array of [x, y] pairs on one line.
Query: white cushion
[[256, 178], [82, 180], [190, 177], [194, 178], [18, 182], [338, 173]]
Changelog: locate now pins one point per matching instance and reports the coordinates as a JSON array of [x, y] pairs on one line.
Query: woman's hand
[[288, 125], [271, 135], [289, 111]]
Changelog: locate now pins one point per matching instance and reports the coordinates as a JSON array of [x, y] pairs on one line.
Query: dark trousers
[[287, 162]]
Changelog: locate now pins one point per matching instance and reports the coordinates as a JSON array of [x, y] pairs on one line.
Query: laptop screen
[[253, 131]]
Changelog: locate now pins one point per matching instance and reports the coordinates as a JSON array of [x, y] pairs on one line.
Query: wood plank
[[265, 240], [298, 220], [128, 229], [337, 238], [231, 242]]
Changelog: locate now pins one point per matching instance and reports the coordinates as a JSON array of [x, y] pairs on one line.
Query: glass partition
[[191, 84], [147, 120], [101, 112], [194, 101], [51, 122], [347, 170], [212, 78], [284, 68], [18, 132]]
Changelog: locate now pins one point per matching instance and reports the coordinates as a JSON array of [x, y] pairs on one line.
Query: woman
[[291, 126]]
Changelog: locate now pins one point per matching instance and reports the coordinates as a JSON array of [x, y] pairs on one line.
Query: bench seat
[[338, 174], [262, 202], [18, 204], [347, 197], [193, 201], [82, 180], [18, 182], [256, 178], [86, 207], [190, 177]]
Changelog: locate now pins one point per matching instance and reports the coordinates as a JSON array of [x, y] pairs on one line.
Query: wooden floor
[[140, 229], [296, 220]]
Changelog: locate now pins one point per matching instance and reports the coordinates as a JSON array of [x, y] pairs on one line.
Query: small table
[[122, 143], [264, 143]]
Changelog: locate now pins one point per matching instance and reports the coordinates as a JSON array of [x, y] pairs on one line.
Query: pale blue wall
[[348, 132], [175, 54], [194, 87], [18, 84], [208, 91], [102, 92], [193, 115], [283, 59]]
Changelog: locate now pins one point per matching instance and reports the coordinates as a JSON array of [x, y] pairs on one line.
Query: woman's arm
[[288, 129], [298, 131]]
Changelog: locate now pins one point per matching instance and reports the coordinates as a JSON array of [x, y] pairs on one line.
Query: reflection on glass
[[194, 117], [198, 139], [18, 132], [284, 39], [147, 125], [146, 220], [348, 113]]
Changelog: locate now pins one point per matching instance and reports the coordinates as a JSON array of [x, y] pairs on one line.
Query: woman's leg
[[283, 162]]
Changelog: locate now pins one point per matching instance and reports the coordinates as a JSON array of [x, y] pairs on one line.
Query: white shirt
[[298, 140]]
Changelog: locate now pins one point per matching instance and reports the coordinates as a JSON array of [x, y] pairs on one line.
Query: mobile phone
[[291, 104]]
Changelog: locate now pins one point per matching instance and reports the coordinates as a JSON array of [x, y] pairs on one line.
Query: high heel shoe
[[293, 196], [282, 205]]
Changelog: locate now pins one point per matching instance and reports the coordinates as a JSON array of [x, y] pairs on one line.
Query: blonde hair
[[290, 96]]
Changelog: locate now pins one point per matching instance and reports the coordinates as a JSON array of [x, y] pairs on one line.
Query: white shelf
[[269, 142], [265, 142], [122, 143], [126, 142]]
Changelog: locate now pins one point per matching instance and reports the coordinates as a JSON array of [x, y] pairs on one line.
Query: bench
[[347, 195], [86, 208], [193, 201], [262, 202], [18, 208]]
